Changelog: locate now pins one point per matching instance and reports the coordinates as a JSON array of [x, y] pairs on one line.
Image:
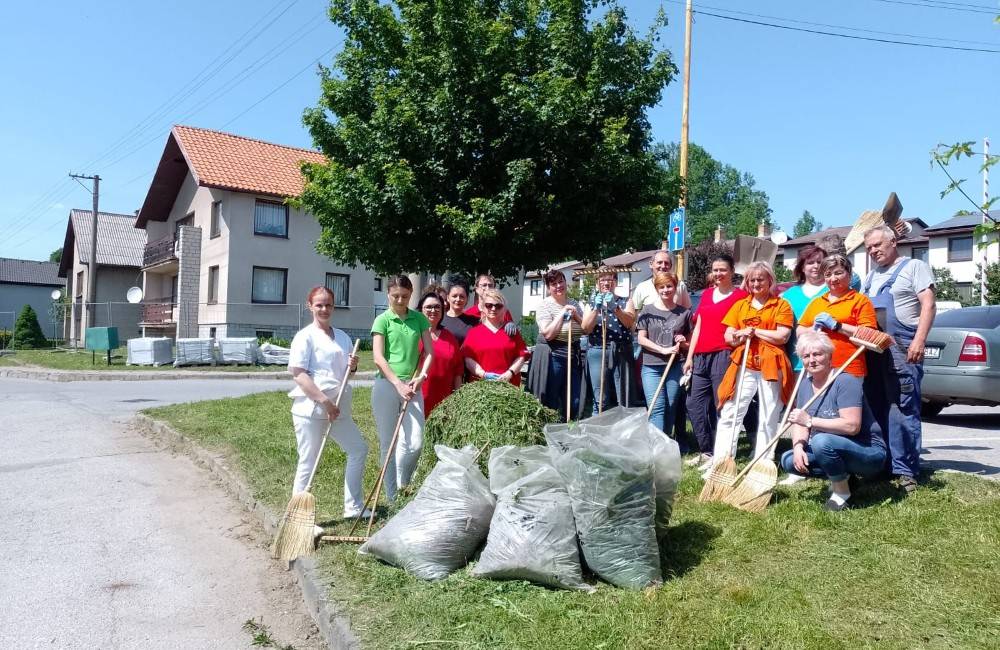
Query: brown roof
[[225, 161]]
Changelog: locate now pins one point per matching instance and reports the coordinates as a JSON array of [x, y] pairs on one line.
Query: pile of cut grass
[[891, 573]]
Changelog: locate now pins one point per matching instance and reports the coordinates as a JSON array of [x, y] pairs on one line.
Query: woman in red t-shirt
[[490, 353], [445, 374], [709, 359]]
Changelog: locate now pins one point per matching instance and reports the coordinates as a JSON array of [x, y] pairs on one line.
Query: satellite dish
[[56, 294], [779, 237], [134, 295]]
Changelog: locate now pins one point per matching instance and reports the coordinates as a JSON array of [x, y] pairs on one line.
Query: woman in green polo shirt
[[396, 336]]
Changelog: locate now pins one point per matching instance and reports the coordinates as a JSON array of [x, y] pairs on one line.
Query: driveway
[[965, 439], [111, 542]]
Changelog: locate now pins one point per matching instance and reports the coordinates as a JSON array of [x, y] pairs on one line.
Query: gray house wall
[[13, 298]]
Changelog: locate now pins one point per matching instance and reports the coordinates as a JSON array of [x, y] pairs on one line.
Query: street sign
[[675, 230]]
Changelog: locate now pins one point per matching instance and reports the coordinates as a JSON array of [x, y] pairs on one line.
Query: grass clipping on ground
[[487, 414], [914, 572]]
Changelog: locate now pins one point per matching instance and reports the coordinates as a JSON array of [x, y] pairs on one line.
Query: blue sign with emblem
[[675, 230]]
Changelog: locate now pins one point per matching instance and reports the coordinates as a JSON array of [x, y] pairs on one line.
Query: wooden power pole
[[92, 264], [688, 12]]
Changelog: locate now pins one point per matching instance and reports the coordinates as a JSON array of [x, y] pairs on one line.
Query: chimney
[[719, 234], [763, 230]]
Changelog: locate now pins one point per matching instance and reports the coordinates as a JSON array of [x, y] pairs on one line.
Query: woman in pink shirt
[[709, 359]]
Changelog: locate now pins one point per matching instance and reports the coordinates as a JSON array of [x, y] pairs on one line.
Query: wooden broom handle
[[336, 402], [381, 475], [739, 389], [829, 382], [604, 354], [569, 372], [791, 400], [659, 387]]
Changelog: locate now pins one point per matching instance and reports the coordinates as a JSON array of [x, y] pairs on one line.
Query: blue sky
[[826, 124]]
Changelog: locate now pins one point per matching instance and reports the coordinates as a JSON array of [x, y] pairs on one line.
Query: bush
[[27, 331], [5, 336], [529, 329], [274, 340]]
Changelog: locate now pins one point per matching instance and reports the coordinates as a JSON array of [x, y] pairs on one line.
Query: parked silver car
[[962, 360]]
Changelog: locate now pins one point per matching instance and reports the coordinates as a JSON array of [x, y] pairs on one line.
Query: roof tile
[[30, 272], [119, 242]]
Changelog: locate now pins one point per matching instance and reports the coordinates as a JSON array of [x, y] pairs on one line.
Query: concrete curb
[[49, 374], [332, 623]]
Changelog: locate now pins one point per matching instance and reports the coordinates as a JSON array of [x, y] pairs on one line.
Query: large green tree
[[806, 225], [56, 255], [717, 194], [485, 134]]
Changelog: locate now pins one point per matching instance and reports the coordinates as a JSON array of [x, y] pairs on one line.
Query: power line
[[850, 36], [947, 6]]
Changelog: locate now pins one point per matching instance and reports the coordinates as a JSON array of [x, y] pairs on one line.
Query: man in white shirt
[[661, 262]]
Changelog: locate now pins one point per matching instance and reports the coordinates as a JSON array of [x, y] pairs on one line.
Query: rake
[[723, 472], [751, 488], [296, 535]]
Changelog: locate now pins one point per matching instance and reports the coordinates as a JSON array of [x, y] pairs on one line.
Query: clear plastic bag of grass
[[532, 534], [667, 465], [609, 474], [446, 522]]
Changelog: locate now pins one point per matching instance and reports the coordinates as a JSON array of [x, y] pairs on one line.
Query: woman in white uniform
[[319, 357]]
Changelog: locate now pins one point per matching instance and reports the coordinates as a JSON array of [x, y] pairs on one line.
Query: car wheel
[[931, 409]]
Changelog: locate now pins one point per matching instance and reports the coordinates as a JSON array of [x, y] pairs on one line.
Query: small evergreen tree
[[27, 331]]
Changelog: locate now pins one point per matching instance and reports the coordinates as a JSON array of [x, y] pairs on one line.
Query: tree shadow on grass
[[685, 546]]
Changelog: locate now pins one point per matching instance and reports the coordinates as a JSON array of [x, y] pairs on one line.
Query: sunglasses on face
[[432, 307], [492, 305]]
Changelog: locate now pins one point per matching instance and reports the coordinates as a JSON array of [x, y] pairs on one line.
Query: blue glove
[[824, 319], [598, 300], [492, 376], [608, 298], [511, 329]]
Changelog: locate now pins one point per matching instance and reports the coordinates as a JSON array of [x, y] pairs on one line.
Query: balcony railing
[[158, 313], [158, 251]]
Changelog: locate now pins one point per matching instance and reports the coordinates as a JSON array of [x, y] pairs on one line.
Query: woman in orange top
[[840, 311], [766, 321]]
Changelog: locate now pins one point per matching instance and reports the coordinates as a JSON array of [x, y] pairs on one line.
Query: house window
[[269, 285], [264, 335], [270, 219], [960, 249], [79, 282], [216, 228], [186, 221], [211, 332], [536, 288], [213, 285], [340, 285], [173, 290], [920, 253], [378, 284]]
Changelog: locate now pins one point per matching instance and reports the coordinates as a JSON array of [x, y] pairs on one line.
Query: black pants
[[706, 374]]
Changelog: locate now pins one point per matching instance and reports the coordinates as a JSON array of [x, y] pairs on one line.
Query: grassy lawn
[[920, 572], [81, 360]]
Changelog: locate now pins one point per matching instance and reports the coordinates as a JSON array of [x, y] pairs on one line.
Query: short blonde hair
[[813, 340], [759, 265], [495, 296]]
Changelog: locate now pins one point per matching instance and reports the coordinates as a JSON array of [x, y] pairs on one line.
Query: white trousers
[[386, 404], [735, 409], [309, 434]]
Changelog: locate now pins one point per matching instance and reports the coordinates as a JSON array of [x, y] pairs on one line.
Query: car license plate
[[932, 353]]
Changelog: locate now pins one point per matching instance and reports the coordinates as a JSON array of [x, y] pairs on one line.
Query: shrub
[[5, 337], [27, 331]]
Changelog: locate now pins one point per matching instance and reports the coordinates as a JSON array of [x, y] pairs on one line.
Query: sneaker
[[907, 484], [318, 531], [696, 460], [792, 479], [354, 514], [706, 466], [836, 506]]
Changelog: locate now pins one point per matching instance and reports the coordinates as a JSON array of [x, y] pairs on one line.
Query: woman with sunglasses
[[446, 370], [490, 353]]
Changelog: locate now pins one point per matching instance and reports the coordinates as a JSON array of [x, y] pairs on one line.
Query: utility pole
[[92, 265], [986, 219], [688, 12]]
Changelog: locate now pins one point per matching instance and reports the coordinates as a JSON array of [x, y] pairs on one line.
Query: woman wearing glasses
[[446, 370], [490, 352]]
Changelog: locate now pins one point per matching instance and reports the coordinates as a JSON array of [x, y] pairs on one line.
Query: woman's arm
[[312, 391], [778, 336], [683, 298], [589, 321], [695, 334], [378, 356], [428, 357], [847, 422], [648, 344], [474, 368]]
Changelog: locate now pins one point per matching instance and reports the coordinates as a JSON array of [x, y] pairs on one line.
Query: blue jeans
[[663, 411], [555, 392], [837, 457], [616, 369], [892, 386]]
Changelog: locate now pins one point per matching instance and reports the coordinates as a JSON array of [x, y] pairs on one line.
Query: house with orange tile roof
[[227, 256]]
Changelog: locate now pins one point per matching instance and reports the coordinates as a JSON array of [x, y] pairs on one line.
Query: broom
[[751, 489], [659, 387], [723, 472], [295, 535], [569, 371]]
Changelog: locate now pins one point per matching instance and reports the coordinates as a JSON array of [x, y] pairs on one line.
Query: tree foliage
[[476, 134], [699, 261], [27, 332], [945, 287], [717, 194], [806, 225], [56, 255], [992, 284]]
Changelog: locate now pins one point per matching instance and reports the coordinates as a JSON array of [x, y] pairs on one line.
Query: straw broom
[[751, 489], [295, 535], [723, 472]]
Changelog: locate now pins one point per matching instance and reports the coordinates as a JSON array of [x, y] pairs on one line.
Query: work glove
[[492, 376], [608, 298], [598, 300], [825, 320], [511, 329]]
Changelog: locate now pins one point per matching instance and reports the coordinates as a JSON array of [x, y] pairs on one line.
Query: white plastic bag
[[532, 533], [441, 529], [194, 352], [608, 473]]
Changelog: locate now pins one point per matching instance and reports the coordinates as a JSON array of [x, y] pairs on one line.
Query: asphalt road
[[964, 439], [109, 542]]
